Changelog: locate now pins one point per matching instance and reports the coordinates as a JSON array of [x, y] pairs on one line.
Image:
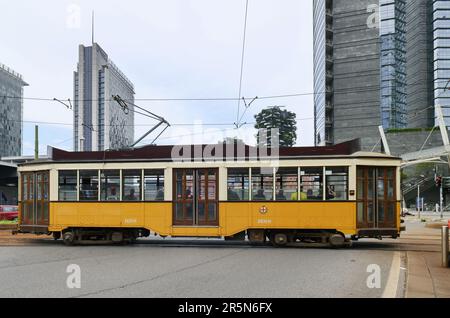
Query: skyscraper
[[359, 69], [428, 61], [419, 63], [11, 112], [440, 11], [99, 122]]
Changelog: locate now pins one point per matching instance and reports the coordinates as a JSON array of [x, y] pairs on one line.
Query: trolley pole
[[445, 250]]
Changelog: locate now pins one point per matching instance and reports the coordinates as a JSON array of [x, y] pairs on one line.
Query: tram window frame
[[333, 172], [106, 193], [131, 173], [62, 194], [159, 192], [242, 193], [257, 173], [279, 175], [311, 172], [91, 187]]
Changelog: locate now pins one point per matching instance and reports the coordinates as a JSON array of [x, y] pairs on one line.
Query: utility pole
[[36, 142]]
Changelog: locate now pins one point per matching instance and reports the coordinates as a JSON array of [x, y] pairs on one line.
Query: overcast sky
[[168, 49]]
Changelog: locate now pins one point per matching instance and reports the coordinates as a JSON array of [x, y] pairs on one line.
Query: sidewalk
[[426, 278]]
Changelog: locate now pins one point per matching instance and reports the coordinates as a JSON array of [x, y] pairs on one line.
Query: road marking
[[394, 274]]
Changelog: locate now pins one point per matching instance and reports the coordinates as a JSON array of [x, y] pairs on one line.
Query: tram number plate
[[263, 221], [129, 221]]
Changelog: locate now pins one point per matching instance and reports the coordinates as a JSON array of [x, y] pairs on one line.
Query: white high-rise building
[[99, 122]]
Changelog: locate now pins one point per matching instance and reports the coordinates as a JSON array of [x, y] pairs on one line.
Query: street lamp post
[[418, 199]]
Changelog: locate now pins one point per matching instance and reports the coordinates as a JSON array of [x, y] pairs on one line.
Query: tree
[[275, 118]]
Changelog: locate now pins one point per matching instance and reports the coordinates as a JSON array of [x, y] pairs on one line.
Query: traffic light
[[438, 182]]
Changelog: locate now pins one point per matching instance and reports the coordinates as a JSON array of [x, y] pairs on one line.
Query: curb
[[435, 225], [8, 227]]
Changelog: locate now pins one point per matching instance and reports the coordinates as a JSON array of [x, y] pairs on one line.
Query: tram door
[[35, 201], [196, 197], [376, 197]]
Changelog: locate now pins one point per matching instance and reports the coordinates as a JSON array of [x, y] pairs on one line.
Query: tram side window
[[262, 185], [67, 185], [238, 184], [311, 184], [286, 184], [110, 185], [154, 185], [337, 184], [131, 181], [88, 185]]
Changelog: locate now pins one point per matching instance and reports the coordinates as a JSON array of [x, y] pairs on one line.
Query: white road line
[[394, 274]]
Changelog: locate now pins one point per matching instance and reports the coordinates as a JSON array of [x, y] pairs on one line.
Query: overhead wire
[[206, 99], [242, 63]]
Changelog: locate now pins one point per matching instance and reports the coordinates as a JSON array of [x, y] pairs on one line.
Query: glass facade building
[[320, 61], [393, 63], [359, 69], [99, 122], [419, 63], [11, 112], [441, 56]]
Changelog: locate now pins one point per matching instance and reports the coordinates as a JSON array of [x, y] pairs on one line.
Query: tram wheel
[[69, 238], [337, 240], [279, 239]]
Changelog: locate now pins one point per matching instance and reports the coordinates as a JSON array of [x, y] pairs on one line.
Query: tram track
[[407, 244]]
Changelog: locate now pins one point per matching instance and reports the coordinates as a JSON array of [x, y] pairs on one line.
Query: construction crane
[[161, 121]]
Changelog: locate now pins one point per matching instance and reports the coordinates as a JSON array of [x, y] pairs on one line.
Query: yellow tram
[[324, 195]]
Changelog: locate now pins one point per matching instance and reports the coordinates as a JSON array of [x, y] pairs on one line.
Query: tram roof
[[240, 152]]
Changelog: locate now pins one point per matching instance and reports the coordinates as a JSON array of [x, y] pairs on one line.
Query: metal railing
[[10, 71], [415, 184], [120, 73]]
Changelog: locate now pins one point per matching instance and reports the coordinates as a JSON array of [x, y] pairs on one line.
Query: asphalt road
[[198, 268]]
